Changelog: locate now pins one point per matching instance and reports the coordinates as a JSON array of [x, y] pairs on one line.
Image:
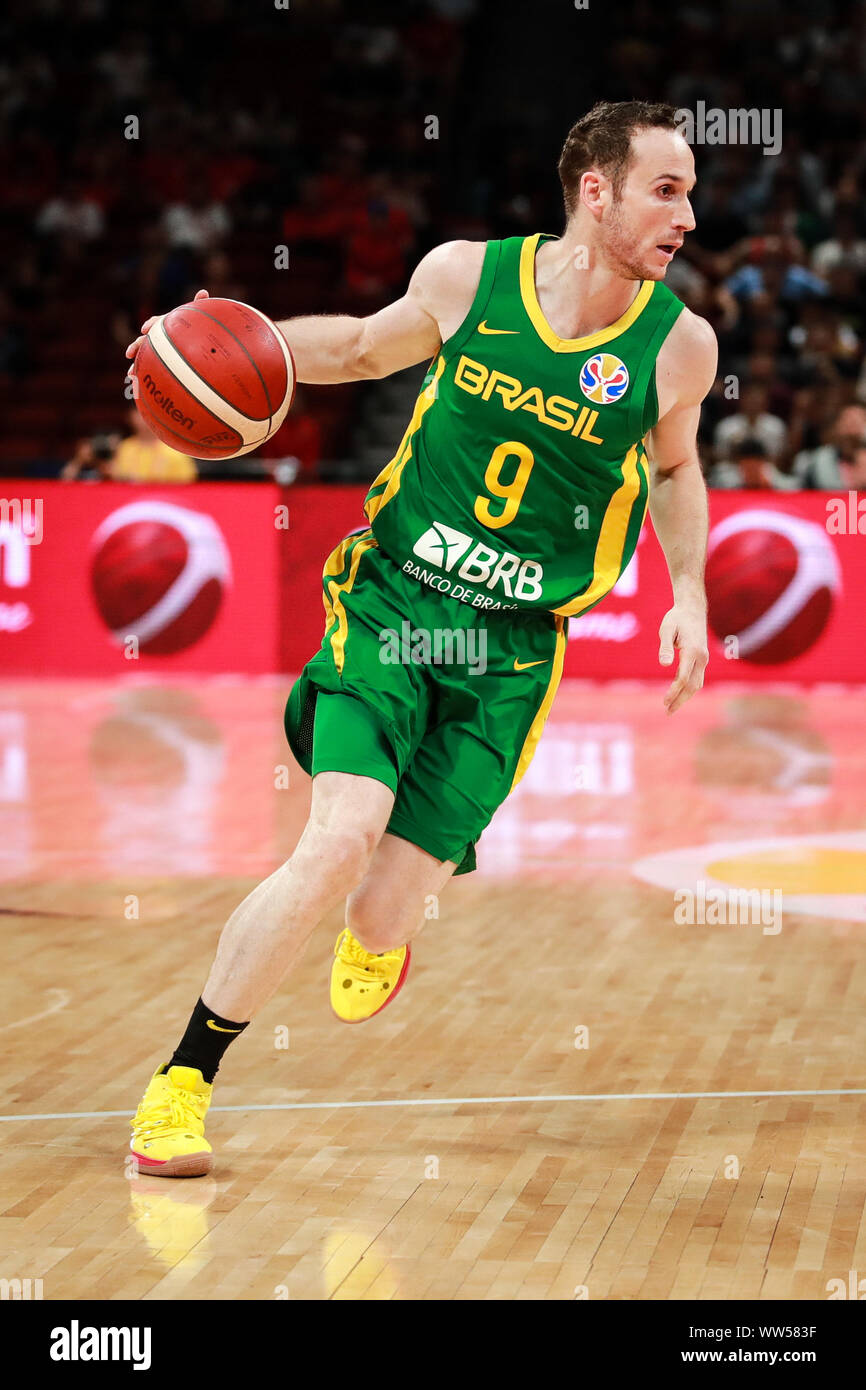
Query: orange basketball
[[214, 379]]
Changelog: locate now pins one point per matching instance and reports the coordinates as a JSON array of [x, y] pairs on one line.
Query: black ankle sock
[[206, 1038]]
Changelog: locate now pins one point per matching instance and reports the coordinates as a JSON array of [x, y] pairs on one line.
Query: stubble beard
[[619, 249]]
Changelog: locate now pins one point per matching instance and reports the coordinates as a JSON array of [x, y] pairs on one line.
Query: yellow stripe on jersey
[[527, 752], [392, 471], [335, 564], [542, 327], [607, 564]]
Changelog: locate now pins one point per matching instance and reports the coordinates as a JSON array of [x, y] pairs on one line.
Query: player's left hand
[[684, 628], [148, 325]]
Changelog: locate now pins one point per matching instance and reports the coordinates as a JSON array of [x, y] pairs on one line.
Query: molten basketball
[[214, 379], [771, 582], [158, 573]]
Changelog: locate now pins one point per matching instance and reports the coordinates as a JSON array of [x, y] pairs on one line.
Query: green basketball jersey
[[522, 480]]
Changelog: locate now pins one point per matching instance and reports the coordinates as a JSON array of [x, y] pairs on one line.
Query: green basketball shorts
[[443, 702]]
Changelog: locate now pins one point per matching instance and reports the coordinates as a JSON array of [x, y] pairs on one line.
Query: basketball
[[158, 573], [771, 581], [214, 379]]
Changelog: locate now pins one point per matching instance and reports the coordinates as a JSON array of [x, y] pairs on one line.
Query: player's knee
[[341, 855], [379, 925]]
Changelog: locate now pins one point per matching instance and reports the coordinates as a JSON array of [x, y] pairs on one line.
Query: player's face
[[645, 226]]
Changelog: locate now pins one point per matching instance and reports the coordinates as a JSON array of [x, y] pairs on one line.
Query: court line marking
[[61, 999], [455, 1100]]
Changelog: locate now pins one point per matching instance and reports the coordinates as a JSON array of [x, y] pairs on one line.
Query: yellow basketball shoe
[[363, 983], [168, 1129]]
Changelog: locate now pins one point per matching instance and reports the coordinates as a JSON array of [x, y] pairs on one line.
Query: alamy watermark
[[736, 126], [735, 907], [23, 515], [20, 1290], [438, 646], [854, 1288], [77, 1343], [846, 516]]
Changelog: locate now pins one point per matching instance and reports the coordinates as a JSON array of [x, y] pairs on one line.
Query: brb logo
[[446, 548], [603, 378]]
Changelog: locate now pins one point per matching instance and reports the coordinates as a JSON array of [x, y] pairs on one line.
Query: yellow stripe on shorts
[[333, 590], [527, 752], [335, 564]]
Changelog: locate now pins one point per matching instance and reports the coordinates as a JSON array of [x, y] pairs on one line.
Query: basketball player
[[562, 371]]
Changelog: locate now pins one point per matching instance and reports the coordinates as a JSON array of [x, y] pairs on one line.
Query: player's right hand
[[148, 324]]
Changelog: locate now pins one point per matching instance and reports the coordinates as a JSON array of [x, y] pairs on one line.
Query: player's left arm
[[685, 372]]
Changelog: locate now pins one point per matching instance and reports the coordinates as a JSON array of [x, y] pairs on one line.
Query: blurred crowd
[[141, 160]]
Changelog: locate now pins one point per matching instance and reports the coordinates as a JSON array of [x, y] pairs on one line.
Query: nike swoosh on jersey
[[482, 328], [217, 1029], [522, 665]]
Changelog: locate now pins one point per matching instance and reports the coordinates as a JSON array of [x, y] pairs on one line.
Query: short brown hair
[[602, 140]]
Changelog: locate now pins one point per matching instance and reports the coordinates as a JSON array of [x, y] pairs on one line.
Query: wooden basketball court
[[576, 1095]]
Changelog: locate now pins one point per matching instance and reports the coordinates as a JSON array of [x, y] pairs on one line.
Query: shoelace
[[348, 949], [178, 1109]]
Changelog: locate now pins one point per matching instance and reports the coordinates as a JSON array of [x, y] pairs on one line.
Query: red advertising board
[[786, 580], [103, 579], [226, 577]]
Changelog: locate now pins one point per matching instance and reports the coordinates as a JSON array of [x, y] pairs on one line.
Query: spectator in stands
[[845, 248], [142, 458], [848, 302], [839, 464], [126, 67], [816, 407], [752, 421], [220, 281], [72, 216], [313, 220], [775, 240], [777, 277], [826, 345], [688, 283], [379, 240], [764, 369], [751, 468], [91, 461], [199, 223], [695, 289]]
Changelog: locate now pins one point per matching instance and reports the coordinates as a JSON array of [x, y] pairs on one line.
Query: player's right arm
[[332, 348], [412, 329]]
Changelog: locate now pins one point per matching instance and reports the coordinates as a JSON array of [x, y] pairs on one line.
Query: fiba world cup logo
[[603, 378]]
